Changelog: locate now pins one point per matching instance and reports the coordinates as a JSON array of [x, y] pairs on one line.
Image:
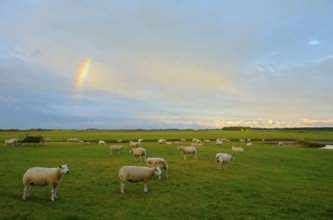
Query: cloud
[[314, 42]]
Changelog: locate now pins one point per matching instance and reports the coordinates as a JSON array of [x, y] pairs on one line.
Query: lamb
[[188, 150], [237, 149], [41, 176], [137, 174], [158, 162], [139, 152], [223, 158], [116, 148], [101, 142]]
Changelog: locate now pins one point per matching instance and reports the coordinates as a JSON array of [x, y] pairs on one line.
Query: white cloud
[[314, 42]]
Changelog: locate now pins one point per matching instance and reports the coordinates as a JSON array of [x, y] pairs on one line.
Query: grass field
[[265, 181]]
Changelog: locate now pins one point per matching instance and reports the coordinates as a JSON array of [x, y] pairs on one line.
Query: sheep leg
[[122, 186], [145, 187], [29, 189], [55, 191], [167, 176], [24, 197], [52, 192]]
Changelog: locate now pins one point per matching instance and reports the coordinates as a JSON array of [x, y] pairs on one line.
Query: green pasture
[[265, 182]]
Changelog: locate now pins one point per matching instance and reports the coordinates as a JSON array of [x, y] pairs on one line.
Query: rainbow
[[83, 73]]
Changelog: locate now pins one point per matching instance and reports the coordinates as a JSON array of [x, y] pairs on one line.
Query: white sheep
[[249, 144], [41, 176], [136, 174], [237, 149], [188, 150], [219, 142], [161, 141], [134, 144], [139, 152], [116, 148], [158, 162], [12, 141], [101, 142], [223, 158]]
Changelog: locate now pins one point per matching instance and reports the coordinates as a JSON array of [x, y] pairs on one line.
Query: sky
[[186, 64]]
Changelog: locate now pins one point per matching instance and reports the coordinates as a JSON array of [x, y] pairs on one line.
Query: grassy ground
[[265, 181]]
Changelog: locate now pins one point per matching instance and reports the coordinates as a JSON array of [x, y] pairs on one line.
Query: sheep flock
[[43, 176]]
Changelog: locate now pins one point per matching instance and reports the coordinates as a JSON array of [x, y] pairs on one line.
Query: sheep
[[41, 176], [223, 158], [237, 149], [134, 144], [120, 140], [116, 148], [139, 152], [219, 142], [158, 162], [249, 144], [137, 174], [12, 141], [188, 150], [101, 142], [161, 141]]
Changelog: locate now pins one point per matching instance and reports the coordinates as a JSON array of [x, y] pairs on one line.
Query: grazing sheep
[[41, 176], [196, 140], [207, 141], [139, 152], [101, 142], [223, 158], [161, 141], [12, 141], [136, 174], [249, 144], [281, 143], [242, 140], [116, 148], [75, 140], [134, 144], [158, 162], [237, 149], [120, 140], [188, 150], [219, 142]]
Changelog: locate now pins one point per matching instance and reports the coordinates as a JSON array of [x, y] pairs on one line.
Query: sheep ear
[[60, 166]]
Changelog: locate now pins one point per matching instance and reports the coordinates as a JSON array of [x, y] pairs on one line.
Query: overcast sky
[[145, 64]]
